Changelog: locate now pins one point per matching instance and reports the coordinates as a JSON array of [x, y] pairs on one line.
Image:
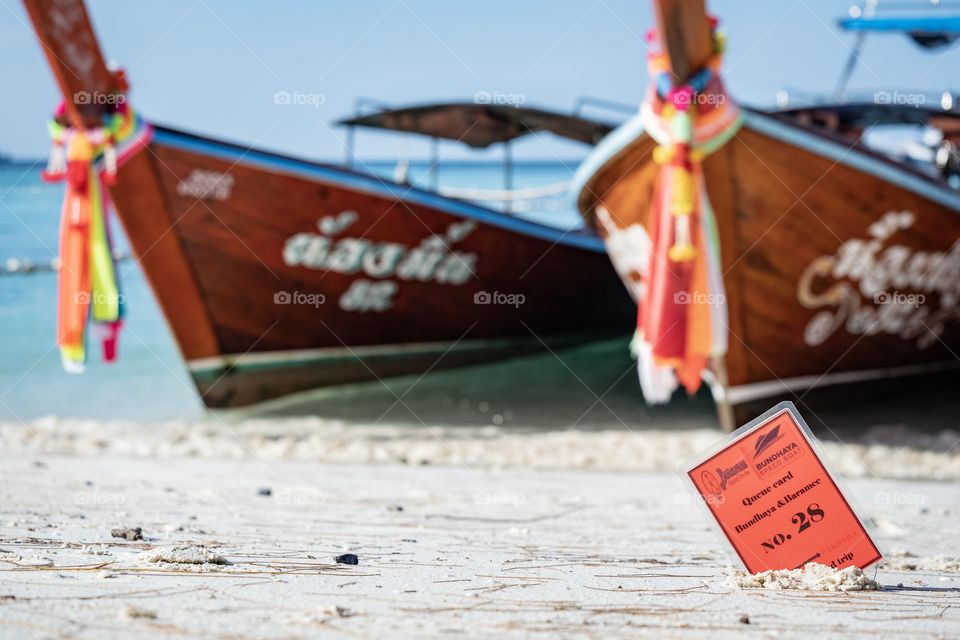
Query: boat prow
[[840, 265], [279, 275]]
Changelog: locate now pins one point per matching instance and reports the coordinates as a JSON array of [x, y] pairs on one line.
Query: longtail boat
[[777, 253], [279, 275]]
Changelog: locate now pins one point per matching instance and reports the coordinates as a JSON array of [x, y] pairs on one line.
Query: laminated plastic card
[[769, 491]]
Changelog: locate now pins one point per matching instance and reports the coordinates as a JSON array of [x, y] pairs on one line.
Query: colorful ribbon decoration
[[682, 322], [87, 283]]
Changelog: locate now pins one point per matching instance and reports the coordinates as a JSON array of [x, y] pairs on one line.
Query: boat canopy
[[926, 30], [481, 125]]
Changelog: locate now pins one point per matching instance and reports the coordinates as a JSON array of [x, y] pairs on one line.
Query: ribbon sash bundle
[[87, 283], [682, 322]]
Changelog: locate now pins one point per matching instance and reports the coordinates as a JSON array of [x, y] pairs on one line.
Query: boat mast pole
[[508, 175], [434, 162], [351, 133], [869, 10]]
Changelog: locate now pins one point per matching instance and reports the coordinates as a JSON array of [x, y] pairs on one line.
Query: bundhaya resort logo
[[716, 483]]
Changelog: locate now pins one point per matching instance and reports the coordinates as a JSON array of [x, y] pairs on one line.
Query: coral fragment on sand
[[183, 555], [812, 577]]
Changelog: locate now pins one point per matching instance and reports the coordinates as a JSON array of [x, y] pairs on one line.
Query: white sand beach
[[469, 531]]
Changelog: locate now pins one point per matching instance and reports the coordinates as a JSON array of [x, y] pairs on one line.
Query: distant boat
[[840, 264], [279, 275]]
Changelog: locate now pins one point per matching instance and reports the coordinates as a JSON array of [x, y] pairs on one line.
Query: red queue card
[[774, 500]]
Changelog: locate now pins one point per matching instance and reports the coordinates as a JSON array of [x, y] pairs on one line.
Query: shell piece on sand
[[812, 577], [183, 555], [132, 612]]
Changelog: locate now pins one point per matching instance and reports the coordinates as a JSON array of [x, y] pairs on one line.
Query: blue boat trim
[[843, 154], [371, 184], [914, 24]]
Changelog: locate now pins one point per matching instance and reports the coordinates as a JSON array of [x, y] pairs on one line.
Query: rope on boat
[[20, 266]]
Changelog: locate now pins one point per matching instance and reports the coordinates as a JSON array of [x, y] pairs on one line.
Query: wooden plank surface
[[684, 30]]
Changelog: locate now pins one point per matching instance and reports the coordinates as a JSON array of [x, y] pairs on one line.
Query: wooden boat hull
[[840, 266], [312, 275], [280, 275]]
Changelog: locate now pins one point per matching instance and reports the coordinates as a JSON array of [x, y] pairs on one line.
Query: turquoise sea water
[[149, 381]]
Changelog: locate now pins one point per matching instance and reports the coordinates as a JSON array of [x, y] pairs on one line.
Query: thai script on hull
[[863, 273], [433, 260]]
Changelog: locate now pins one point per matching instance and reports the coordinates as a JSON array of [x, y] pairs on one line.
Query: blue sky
[[213, 66]]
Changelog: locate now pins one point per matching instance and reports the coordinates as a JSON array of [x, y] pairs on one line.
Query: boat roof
[[930, 31], [905, 24], [858, 114], [481, 125]]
